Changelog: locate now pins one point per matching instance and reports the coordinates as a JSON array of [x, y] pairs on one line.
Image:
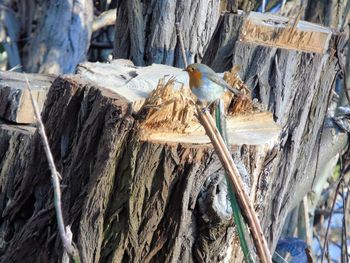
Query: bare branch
[[106, 18], [325, 244], [178, 32]]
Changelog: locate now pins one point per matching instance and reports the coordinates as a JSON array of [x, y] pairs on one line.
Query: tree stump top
[[161, 94], [283, 32], [131, 82], [15, 104]]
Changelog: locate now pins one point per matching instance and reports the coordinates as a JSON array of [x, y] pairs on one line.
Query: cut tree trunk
[[146, 32], [129, 194], [294, 82], [141, 183]]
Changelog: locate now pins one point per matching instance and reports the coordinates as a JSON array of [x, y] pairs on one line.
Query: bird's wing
[[218, 80]]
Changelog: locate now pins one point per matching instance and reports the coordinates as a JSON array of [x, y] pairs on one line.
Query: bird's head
[[195, 72]]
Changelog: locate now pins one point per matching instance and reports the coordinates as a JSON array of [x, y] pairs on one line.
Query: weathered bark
[[61, 37], [327, 12], [126, 200], [145, 31], [15, 103], [294, 85]]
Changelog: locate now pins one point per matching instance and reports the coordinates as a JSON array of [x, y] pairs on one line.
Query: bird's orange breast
[[195, 79]]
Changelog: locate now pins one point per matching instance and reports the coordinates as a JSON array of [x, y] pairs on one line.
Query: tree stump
[[291, 67]]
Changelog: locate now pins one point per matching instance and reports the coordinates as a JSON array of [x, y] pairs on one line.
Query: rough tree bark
[[328, 12], [294, 85], [145, 30], [57, 33]]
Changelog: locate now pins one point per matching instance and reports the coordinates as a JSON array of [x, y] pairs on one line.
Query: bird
[[206, 84]]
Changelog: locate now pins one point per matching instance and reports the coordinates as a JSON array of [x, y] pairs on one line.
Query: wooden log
[[130, 193], [294, 80], [15, 104], [15, 148]]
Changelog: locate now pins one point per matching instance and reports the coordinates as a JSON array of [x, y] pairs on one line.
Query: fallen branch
[[65, 233], [236, 183], [106, 18]]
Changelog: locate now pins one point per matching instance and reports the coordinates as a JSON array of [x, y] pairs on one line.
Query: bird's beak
[[185, 69]]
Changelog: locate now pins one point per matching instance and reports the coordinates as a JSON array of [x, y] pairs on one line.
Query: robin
[[206, 84]]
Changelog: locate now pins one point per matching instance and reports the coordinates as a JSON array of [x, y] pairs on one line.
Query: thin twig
[[325, 244], [236, 183], [344, 228], [66, 240], [183, 52], [318, 239]]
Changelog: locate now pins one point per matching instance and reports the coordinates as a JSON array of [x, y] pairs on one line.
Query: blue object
[[295, 246]]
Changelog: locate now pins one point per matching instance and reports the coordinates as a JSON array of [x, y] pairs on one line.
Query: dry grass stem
[[66, 239], [237, 185]]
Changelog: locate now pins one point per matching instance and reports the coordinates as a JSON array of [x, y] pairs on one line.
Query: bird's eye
[[191, 69]]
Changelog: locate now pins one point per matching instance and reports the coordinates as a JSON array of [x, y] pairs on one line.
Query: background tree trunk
[[61, 39], [330, 13], [53, 36], [145, 31]]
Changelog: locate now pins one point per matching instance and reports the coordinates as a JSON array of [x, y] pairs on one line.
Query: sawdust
[[169, 109], [173, 110], [241, 104]]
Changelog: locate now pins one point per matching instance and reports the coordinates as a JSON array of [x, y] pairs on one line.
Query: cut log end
[[277, 31], [170, 118], [167, 112]]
